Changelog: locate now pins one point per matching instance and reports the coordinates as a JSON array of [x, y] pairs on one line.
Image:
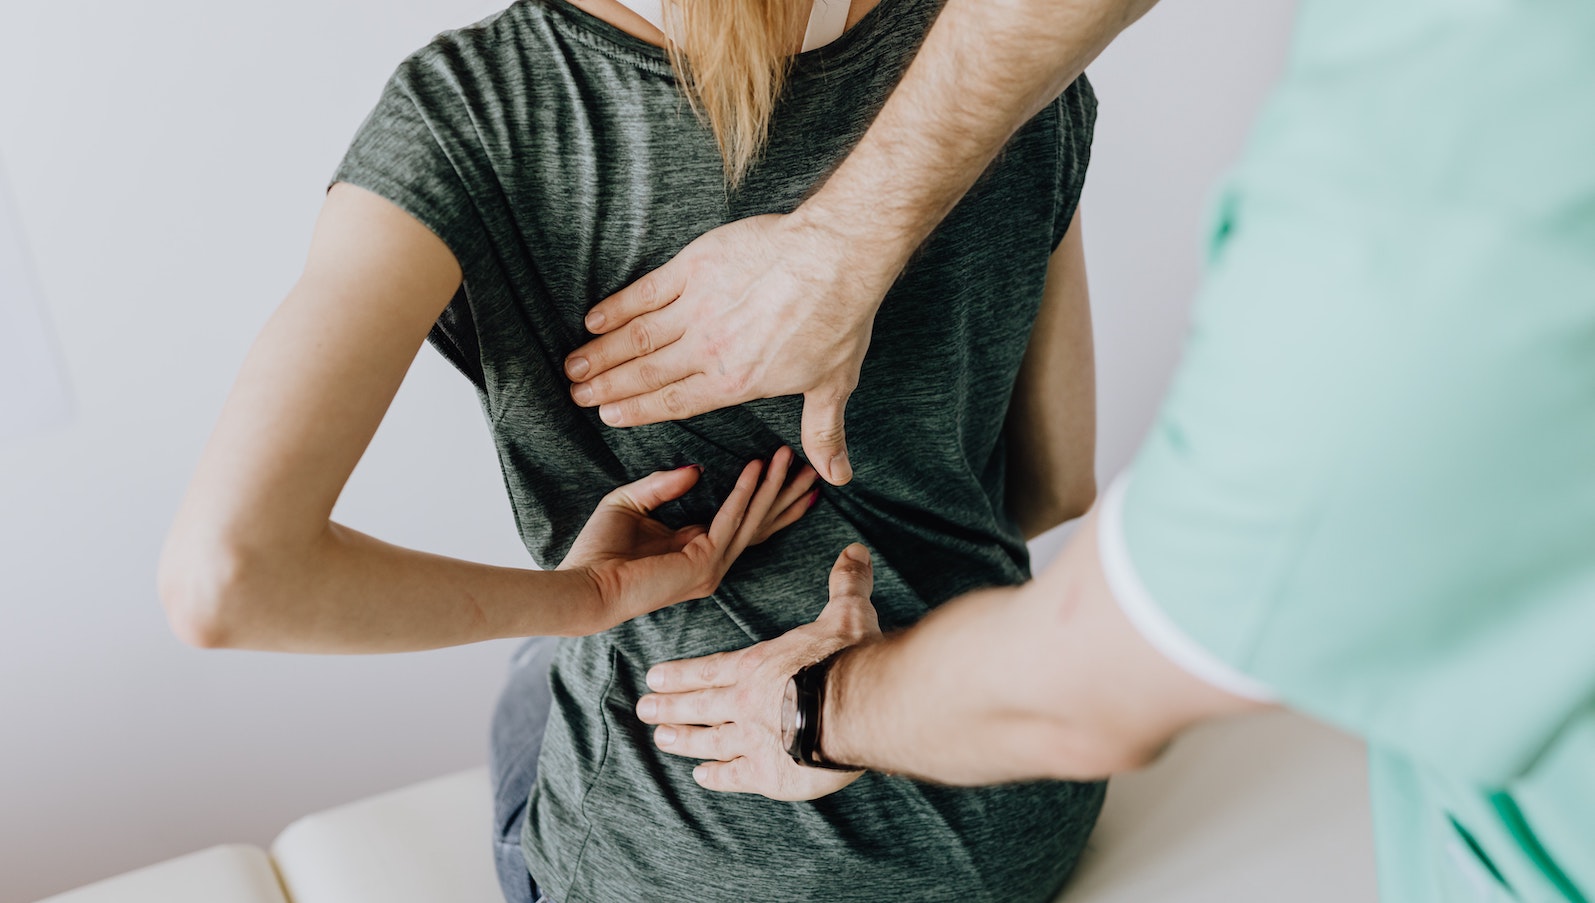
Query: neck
[[626, 19]]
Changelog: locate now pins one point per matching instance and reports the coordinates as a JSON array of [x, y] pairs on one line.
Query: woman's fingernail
[[577, 367], [814, 498], [698, 467], [647, 706], [583, 393], [595, 321], [665, 736]]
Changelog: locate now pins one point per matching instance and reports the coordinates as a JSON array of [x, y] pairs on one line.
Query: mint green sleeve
[[1380, 501], [1370, 492]]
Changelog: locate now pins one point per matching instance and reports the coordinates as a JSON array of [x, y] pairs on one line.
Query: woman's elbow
[[1076, 498], [201, 589], [1038, 513]]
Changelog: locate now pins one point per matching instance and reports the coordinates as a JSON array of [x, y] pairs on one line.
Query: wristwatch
[[800, 716]]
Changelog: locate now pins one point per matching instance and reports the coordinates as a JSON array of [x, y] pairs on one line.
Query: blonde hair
[[733, 57]]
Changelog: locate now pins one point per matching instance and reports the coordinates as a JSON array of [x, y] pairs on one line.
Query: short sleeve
[[1372, 495], [1077, 118], [413, 150]]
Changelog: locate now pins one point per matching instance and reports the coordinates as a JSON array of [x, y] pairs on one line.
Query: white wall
[[167, 159]]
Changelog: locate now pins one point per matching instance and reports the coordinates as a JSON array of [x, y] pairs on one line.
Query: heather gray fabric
[[556, 157]]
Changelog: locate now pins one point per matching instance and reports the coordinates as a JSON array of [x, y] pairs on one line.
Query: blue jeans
[[517, 738]]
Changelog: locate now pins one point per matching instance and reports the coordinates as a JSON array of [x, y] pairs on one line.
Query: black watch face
[[789, 718]]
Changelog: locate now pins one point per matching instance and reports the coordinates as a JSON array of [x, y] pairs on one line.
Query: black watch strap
[[810, 688]]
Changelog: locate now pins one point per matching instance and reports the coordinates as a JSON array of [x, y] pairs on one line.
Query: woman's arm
[[253, 558], [1051, 427]]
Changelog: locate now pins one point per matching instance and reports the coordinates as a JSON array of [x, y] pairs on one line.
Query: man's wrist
[[836, 740], [856, 240]]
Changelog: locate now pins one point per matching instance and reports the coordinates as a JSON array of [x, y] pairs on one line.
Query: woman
[[516, 172]]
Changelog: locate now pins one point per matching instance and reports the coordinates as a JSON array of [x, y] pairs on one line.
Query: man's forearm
[[1048, 680], [985, 68], [938, 702]]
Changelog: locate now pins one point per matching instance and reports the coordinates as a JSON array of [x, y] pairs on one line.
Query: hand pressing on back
[[757, 308], [726, 708]]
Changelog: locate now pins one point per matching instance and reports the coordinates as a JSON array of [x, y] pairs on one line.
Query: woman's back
[[559, 160]]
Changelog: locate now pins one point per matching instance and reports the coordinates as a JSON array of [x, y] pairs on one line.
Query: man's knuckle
[[671, 399], [648, 292], [642, 339], [650, 375], [830, 433], [719, 742], [709, 669]]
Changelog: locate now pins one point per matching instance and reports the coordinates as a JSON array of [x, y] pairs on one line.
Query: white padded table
[[428, 843], [1267, 808], [1264, 808], [236, 873]]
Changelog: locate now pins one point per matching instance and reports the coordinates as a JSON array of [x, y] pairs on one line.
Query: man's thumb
[[824, 436], [852, 582]]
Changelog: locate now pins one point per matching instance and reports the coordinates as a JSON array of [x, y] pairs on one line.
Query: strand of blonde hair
[[733, 57]]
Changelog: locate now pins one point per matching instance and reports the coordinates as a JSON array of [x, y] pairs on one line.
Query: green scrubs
[[1371, 488]]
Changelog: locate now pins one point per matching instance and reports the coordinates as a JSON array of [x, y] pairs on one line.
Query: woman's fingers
[[686, 536], [785, 518], [799, 487], [729, 518], [720, 741], [653, 490], [794, 501], [763, 501]]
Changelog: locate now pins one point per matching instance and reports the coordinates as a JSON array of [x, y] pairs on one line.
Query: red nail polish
[[814, 498], [699, 467]]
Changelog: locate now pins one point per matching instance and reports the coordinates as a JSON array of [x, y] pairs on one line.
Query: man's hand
[[727, 707], [756, 308], [637, 564]]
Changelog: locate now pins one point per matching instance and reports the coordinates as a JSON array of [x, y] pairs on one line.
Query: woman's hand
[[727, 707], [766, 306], [637, 564]]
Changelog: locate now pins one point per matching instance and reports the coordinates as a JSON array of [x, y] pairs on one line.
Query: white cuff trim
[[1139, 606]]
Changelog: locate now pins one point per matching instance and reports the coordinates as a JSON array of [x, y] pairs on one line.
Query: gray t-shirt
[[557, 158]]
